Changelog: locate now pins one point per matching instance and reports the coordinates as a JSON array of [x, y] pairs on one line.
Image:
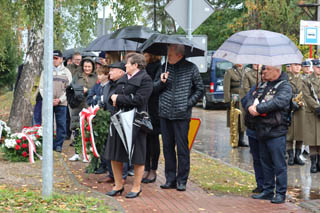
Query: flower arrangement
[[17, 148], [5, 131], [100, 125]]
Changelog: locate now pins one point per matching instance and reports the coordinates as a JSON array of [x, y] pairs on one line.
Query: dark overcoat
[[132, 93]]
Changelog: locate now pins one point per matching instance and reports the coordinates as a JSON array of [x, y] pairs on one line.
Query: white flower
[[10, 143]]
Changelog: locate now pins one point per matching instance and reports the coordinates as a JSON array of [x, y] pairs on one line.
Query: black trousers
[[153, 152], [175, 132]]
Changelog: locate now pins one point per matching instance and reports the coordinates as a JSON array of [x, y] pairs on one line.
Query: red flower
[[18, 141], [88, 128], [17, 147], [24, 138], [24, 154], [37, 136], [24, 145], [37, 125], [87, 139]]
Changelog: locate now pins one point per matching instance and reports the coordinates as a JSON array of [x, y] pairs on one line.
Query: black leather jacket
[[274, 108], [181, 92]]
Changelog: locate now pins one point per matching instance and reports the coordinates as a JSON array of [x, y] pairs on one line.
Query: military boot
[[313, 168], [290, 157], [297, 159]]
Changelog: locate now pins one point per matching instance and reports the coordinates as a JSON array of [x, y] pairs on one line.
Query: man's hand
[[253, 110], [164, 77], [114, 99], [56, 102], [85, 90]]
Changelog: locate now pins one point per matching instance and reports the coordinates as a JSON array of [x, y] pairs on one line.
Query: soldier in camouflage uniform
[[311, 94], [295, 131], [232, 86]]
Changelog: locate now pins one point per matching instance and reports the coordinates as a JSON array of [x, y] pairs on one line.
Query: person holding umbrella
[[132, 91], [180, 89]]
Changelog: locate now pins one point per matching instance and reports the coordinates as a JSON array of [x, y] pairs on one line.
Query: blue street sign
[[311, 35]]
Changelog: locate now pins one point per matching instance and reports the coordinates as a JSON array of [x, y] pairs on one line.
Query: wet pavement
[[213, 140]]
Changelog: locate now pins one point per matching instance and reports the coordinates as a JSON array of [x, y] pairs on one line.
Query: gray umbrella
[[104, 43], [259, 47], [123, 123], [69, 52]]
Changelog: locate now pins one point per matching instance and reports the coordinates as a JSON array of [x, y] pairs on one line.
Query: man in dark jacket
[[270, 109], [180, 89]]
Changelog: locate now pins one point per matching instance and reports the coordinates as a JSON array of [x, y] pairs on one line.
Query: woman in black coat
[[133, 91], [153, 144]]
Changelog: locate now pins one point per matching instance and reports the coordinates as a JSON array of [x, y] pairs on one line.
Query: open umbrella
[[259, 47], [158, 44], [134, 33], [69, 52], [105, 43]]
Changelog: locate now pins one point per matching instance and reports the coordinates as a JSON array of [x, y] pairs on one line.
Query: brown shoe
[[106, 180]]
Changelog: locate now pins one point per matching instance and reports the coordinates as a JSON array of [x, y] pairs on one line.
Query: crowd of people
[[134, 81], [278, 108]]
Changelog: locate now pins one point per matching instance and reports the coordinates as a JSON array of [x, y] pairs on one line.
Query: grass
[[21, 200], [219, 178], [5, 105]]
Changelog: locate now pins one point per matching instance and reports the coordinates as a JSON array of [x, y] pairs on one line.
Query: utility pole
[[103, 20], [47, 108]]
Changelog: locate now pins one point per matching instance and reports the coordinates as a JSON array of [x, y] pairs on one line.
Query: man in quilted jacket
[[180, 87]]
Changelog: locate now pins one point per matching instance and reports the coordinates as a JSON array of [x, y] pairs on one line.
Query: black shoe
[[133, 194], [243, 145], [290, 157], [181, 187], [115, 192], [297, 159], [58, 149], [263, 196], [100, 170], [278, 199], [313, 168], [168, 185], [257, 190]]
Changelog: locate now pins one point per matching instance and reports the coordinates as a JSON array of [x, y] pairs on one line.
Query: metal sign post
[[47, 107], [310, 33]]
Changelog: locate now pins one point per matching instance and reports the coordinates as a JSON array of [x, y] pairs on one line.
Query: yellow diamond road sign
[[178, 10]]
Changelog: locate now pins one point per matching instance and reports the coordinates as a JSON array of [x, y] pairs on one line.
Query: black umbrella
[[105, 43], [158, 44], [134, 33], [69, 53]]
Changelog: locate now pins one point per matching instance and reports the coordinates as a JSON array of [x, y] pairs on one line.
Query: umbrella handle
[[165, 69]]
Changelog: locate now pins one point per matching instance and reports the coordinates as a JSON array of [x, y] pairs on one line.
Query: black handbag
[[143, 120]]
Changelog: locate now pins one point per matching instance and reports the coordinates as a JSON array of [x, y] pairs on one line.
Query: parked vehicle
[[213, 81]]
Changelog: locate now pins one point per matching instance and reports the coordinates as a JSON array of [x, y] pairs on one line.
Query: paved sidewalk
[[154, 199]]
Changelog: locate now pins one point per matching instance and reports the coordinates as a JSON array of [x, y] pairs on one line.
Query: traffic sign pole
[[310, 55], [189, 20]]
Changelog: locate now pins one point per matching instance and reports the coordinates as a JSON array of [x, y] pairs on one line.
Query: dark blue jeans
[[37, 113], [255, 152], [272, 153], [60, 115], [175, 132]]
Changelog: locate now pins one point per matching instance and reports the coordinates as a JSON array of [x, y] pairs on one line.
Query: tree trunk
[[22, 111]]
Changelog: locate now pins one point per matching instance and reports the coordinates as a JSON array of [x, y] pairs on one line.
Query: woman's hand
[[114, 99]]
